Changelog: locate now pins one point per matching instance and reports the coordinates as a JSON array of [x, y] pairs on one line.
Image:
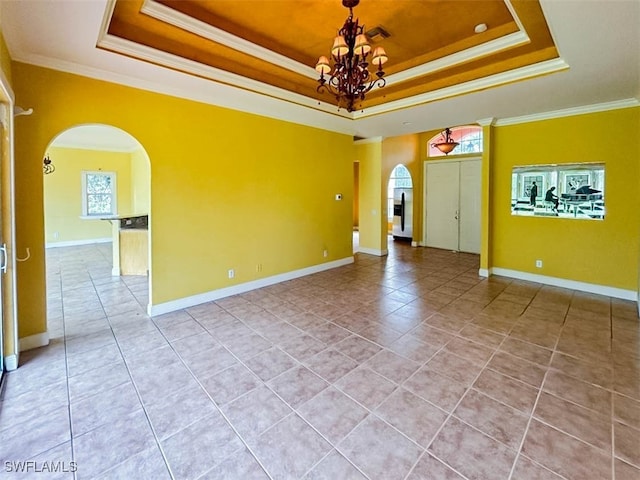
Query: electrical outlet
[[232, 273], [538, 263], [56, 235], [259, 267], [325, 253]]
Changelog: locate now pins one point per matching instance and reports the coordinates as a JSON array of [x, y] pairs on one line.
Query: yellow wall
[[402, 150], [228, 189], [599, 252], [63, 192], [140, 182], [234, 190], [411, 151], [486, 224], [372, 216]]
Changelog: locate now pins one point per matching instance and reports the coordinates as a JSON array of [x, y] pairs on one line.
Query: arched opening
[[400, 203], [97, 204]]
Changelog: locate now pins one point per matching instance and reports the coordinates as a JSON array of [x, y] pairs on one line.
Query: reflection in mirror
[[574, 190]]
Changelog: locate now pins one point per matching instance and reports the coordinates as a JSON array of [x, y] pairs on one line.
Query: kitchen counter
[[130, 244]]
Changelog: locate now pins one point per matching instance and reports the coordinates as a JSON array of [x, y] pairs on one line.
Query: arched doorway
[[400, 203], [98, 186]]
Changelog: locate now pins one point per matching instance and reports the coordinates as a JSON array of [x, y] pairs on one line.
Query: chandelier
[[447, 143], [350, 79]]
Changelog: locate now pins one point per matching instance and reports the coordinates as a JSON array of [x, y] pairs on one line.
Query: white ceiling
[[598, 39]]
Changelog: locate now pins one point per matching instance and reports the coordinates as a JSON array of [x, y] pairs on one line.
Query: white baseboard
[[10, 362], [75, 243], [484, 272], [373, 251], [564, 283], [187, 302], [115, 271], [34, 341], [414, 244]]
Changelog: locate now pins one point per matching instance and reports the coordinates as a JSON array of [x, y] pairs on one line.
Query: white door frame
[[7, 99], [426, 163]]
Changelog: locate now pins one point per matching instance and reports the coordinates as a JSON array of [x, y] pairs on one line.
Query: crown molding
[[183, 65], [185, 22], [215, 93], [569, 112], [511, 76], [488, 48], [486, 122], [174, 62], [180, 20]]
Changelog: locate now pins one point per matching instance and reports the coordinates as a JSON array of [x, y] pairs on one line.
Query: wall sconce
[[447, 144], [48, 167]]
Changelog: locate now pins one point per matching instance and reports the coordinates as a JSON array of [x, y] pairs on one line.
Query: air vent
[[377, 34]]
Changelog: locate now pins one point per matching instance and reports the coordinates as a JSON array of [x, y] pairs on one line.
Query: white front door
[[470, 211], [442, 187], [453, 205]]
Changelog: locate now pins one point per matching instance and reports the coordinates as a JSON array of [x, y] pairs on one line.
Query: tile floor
[[403, 367]]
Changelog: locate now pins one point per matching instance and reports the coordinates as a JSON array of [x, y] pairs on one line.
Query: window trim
[[114, 194]]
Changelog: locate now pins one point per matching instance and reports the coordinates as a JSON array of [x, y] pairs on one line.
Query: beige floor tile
[[507, 390], [333, 414], [499, 421], [366, 386], [565, 455], [380, 451], [298, 385], [472, 453], [255, 412], [416, 418], [290, 448], [423, 353], [201, 446]]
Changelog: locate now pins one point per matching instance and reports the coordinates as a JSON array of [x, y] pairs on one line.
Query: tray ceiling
[[262, 47]]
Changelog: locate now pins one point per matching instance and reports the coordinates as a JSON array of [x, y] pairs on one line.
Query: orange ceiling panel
[[419, 32]]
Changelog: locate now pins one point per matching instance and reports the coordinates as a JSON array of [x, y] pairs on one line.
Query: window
[[400, 178], [99, 194], [469, 137]]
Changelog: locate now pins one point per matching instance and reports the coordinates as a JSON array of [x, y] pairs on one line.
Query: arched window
[[400, 178], [468, 136]]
